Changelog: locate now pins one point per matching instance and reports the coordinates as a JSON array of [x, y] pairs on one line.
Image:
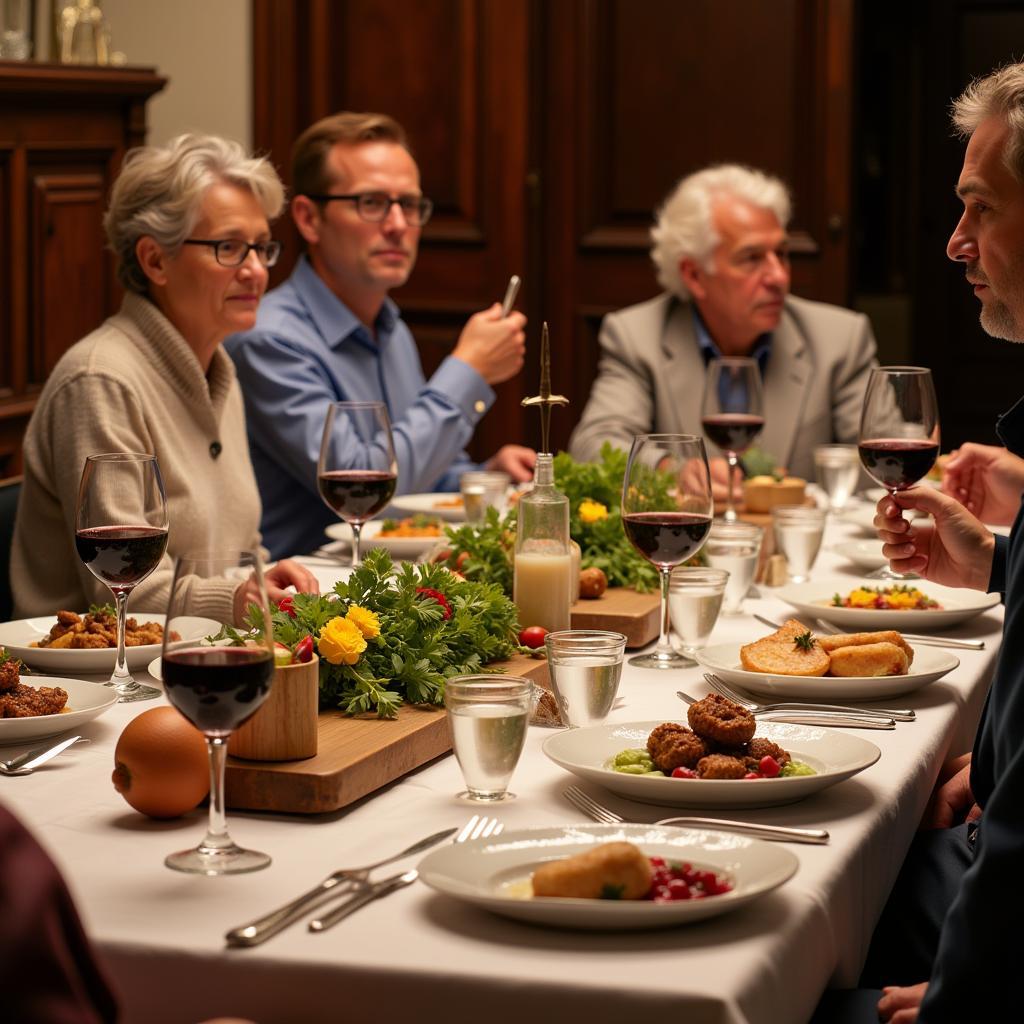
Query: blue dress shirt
[[737, 401], [308, 350]]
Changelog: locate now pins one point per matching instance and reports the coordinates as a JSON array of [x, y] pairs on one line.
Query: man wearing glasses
[[330, 333]]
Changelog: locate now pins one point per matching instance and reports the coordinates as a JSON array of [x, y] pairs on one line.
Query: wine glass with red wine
[[120, 536], [732, 414], [899, 431], [218, 683], [666, 513], [357, 471]]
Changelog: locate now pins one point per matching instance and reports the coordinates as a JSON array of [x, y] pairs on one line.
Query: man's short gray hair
[[1000, 94], [160, 189], [685, 227]]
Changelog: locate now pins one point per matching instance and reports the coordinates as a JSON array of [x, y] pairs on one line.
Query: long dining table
[[423, 956]]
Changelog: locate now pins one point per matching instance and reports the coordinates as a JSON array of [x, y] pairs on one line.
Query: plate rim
[[52, 720]]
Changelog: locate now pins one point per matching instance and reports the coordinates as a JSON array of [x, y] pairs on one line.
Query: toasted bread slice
[[881, 659], [784, 656], [887, 636]]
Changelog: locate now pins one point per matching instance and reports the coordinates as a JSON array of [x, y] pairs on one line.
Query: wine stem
[[217, 837], [664, 644], [357, 529], [730, 510], [122, 679]]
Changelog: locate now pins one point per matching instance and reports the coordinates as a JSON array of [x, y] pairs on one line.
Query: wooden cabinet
[[63, 134]]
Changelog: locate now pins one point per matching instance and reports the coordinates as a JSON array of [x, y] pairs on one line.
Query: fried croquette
[[760, 747], [27, 702], [721, 720], [675, 747], [890, 636], [718, 766], [882, 659], [611, 871]]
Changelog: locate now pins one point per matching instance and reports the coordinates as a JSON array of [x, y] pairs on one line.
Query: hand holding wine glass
[[666, 513], [357, 472], [732, 413], [120, 536], [217, 685]]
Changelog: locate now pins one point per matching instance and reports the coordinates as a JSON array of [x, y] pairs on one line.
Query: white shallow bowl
[[814, 599], [397, 547], [835, 756], [432, 504], [865, 554], [930, 663], [86, 701], [481, 872], [16, 637]]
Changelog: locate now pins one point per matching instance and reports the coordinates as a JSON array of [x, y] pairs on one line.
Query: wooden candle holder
[[285, 727]]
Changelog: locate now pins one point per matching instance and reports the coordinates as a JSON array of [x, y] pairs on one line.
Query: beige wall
[[204, 49]]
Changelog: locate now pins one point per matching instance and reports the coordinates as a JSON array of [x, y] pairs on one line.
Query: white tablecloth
[[420, 956]]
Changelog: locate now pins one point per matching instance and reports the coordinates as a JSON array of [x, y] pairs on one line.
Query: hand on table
[[951, 798], [278, 578], [952, 549], [514, 459], [492, 344], [899, 1005], [693, 479], [987, 480]]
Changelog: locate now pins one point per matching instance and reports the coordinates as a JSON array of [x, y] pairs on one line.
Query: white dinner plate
[[484, 872], [435, 504], [930, 663], [814, 599], [397, 547], [834, 756], [16, 637], [865, 554], [86, 701]]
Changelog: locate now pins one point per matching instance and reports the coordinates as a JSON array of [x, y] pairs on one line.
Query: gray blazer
[[651, 379]]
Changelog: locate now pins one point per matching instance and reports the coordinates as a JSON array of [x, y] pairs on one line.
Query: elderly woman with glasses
[[189, 223]]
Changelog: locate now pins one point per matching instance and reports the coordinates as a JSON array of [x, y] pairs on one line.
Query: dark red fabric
[[48, 972]]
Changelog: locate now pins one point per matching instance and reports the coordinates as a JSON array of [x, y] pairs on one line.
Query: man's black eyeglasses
[[375, 206], [233, 252]]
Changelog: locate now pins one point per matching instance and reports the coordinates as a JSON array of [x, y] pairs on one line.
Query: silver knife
[[368, 895], [40, 755]]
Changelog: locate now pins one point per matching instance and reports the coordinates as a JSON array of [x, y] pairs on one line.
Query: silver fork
[[917, 638], [776, 833], [482, 829], [801, 717], [719, 684]]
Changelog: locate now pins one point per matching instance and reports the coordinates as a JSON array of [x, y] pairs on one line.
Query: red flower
[[438, 597], [287, 605]]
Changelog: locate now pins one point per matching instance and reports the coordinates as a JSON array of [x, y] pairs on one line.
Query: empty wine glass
[[732, 413], [666, 513], [899, 431], [357, 471], [218, 684], [120, 536]]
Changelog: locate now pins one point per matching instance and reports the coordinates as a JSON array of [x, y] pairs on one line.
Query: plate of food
[[609, 877], [442, 504], [403, 538], [915, 606], [637, 760], [30, 710], [864, 554], [55, 644], [797, 664]]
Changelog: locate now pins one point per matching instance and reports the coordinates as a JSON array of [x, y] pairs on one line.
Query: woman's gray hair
[[1000, 94], [160, 189], [685, 226]]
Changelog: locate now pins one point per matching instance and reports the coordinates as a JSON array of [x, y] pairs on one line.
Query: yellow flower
[[592, 511], [340, 642], [365, 620]]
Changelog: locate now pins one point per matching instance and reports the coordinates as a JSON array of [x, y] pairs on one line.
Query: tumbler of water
[[482, 490], [798, 533], [694, 601], [488, 715], [585, 667], [735, 547], [837, 468]]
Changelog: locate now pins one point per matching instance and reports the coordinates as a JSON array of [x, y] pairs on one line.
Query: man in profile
[[330, 333], [721, 253]]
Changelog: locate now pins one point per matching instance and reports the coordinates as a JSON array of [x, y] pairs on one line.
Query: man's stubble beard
[[998, 321]]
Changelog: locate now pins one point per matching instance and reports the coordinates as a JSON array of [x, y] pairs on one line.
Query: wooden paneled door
[[547, 133]]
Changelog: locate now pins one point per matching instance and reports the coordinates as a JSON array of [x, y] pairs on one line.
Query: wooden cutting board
[[621, 610], [355, 756]]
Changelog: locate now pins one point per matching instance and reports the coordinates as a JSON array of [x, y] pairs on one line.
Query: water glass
[[488, 715], [735, 547], [837, 468], [798, 533], [585, 667], [694, 601], [481, 490]]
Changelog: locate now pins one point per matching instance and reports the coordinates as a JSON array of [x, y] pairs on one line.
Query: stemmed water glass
[[357, 471], [899, 431], [666, 513], [218, 684], [732, 414], [120, 536]]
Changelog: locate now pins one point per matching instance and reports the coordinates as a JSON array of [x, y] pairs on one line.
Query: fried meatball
[[26, 701], [721, 720], [680, 748], [760, 747], [718, 766], [662, 734]]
